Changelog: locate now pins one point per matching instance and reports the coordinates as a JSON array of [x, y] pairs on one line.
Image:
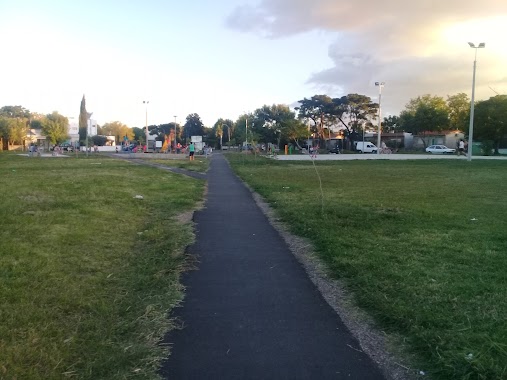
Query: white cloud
[[416, 47]]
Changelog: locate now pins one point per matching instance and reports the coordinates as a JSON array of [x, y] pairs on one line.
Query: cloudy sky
[[225, 57]]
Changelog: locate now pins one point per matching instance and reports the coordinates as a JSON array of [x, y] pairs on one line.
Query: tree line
[[319, 117]]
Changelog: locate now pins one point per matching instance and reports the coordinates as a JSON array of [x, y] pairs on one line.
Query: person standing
[[191, 151], [461, 147]]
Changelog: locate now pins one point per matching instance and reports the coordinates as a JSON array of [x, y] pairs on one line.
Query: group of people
[[33, 150]]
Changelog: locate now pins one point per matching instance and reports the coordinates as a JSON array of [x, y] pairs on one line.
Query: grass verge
[[200, 164], [88, 271], [421, 245]]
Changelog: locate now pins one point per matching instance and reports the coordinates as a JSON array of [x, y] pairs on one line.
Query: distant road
[[396, 156]]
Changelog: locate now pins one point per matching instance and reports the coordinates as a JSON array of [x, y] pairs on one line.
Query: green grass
[[200, 164], [422, 245], [88, 272]]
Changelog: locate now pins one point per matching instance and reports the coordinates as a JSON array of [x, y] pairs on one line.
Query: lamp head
[[481, 45]]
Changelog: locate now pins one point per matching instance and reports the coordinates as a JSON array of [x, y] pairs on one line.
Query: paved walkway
[[250, 310]]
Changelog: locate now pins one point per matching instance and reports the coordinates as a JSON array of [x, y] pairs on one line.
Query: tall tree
[[13, 130], [83, 121], [118, 130], [218, 129], [14, 111], [276, 123], [491, 120], [244, 127], [359, 110], [391, 124], [227, 128], [425, 114], [459, 111], [55, 127], [139, 134], [193, 126], [14, 123], [163, 130], [321, 111]]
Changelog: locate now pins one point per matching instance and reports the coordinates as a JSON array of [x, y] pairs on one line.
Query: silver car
[[440, 149]]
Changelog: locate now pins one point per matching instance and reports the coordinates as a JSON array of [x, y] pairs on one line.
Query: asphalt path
[[250, 310]]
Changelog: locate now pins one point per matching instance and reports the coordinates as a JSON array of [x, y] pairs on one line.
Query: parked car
[[65, 147], [439, 149], [365, 147]]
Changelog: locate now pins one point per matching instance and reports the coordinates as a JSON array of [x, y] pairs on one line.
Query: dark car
[[334, 150], [65, 147]]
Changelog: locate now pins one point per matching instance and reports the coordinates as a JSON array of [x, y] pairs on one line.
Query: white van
[[365, 147]]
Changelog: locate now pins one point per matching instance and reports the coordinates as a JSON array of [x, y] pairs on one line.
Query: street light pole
[[145, 102], [472, 103], [380, 85]]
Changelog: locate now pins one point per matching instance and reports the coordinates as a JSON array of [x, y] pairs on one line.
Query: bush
[[487, 147]]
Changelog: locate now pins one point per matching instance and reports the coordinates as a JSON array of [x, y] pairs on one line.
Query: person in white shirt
[[461, 147]]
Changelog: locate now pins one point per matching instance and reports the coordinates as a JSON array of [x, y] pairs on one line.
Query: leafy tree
[[359, 109], [229, 124], [459, 111], [14, 122], [13, 129], [490, 120], [219, 132], [55, 127], [210, 137], [139, 134], [277, 123], [223, 129], [14, 112], [118, 130], [84, 116], [193, 126], [391, 124], [99, 140], [36, 120], [321, 111], [162, 130], [425, 114], [294, 130], [240, 129]]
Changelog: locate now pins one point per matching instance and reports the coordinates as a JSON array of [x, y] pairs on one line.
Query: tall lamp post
[[472, 101], [145, 102], [380, 85]]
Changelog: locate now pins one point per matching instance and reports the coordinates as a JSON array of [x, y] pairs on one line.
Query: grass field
[[200, 164], [87, 271], [422, 245]]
